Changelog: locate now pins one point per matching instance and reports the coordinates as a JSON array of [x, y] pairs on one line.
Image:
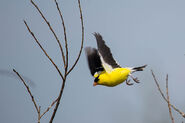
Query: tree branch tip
[[14, 70], [25, 23], [183, 115]]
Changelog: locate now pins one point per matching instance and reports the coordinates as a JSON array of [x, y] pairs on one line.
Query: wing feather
[[106, 57], [93, 59]]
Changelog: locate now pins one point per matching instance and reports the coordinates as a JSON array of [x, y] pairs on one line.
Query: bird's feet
[[135, 79], [128, 82]]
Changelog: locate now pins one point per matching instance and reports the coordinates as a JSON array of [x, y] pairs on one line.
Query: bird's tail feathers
[[141, 68]]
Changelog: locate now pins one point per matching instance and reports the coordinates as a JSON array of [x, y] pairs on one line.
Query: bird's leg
[[135, 79], [128, 82]]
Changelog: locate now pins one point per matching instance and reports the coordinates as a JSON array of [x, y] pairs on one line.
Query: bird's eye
[[96, 79]]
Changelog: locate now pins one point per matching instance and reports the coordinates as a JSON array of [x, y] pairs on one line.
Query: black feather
[[105, 52], [139, 68], [93, 59], [96, 79]]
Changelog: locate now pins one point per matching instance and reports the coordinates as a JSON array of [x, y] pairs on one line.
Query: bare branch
[[28, 89], [43, 49], [82, 41], [66, 73], [39, 115], [168, 99], [48, 108], [158, 86], [65, 57], [180, 112], [61, 49], [58, 101], [65, 35]]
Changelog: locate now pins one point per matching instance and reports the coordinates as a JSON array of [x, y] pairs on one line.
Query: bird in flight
[[105, 69]]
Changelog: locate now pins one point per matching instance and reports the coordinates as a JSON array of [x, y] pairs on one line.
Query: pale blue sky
[[138, 32]]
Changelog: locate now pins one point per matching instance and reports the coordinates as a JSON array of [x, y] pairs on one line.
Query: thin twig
[[82, 41], [58, 102], [58, 41], [48, 108], [28, 89], [168, 99], [65, 35], [180, 112], [43, 49], [39, 115], [158, 86]]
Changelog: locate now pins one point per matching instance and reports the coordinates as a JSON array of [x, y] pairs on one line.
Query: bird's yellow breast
[[115, 77]]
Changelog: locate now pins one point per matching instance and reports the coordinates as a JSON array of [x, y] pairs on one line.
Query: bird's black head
[[96, 81]]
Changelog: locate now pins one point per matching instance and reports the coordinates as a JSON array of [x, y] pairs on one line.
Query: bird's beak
[[95, 83]]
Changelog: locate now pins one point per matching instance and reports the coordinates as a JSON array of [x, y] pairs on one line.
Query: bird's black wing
[[105, 54], [93, 59]]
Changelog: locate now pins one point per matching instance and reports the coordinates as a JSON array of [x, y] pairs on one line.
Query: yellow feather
[[96, 75], [115, 77]]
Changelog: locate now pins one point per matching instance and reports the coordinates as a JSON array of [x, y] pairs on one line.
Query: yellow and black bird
[[105, 69]]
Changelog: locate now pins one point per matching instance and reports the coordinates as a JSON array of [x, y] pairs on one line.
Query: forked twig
[[180, 112], [33, 100], [50, 27], [64, 57], [82, 41], [168, 100], [49, 107], [28, 90], [67, 72], [58, 101]]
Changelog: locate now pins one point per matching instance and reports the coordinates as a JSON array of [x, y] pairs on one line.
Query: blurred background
[[138, 32]]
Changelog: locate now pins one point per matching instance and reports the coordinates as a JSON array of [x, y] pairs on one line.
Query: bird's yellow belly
[[114, 78]]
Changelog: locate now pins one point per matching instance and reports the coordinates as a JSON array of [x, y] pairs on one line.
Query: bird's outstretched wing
[[106, 57], [93, 59]]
